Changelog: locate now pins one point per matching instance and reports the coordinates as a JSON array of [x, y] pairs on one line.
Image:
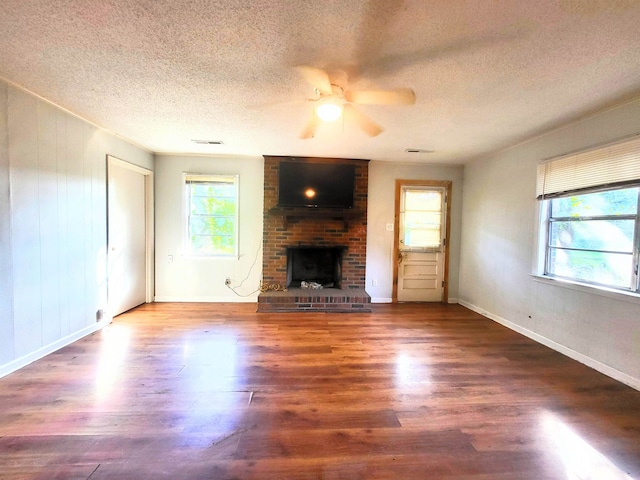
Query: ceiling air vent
[[419, 150], [208, 142]]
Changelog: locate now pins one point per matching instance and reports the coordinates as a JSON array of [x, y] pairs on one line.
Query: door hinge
[[444, 242], [442, 283]]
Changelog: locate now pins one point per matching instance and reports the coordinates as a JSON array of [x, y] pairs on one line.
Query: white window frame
[[544, 243], [612, 166], [204, 177]]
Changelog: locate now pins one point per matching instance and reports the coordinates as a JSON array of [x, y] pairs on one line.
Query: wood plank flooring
[[218, 391]]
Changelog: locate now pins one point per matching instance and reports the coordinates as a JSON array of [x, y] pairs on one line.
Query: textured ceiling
[[487, 73]]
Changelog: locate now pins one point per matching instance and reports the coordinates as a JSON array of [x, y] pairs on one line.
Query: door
[[421, 251], [127, 236]]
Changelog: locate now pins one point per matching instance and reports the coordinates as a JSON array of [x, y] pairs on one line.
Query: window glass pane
[[422, 238], [611, 235], [611, 269], [213, 206], [422, 229], [423, 219], [422, 200], [205, 225], [213, 189], [612, 202]]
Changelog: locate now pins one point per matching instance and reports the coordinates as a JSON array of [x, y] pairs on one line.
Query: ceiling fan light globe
[[329, 112]]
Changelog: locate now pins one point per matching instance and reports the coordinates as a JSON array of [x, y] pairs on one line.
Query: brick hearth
[[295, 227], [329, 299]]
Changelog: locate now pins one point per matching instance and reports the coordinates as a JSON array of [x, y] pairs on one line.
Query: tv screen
[[326, 185]]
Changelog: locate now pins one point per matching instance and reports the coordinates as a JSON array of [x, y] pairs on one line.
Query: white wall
[[381, 210], [52, 225], [498, 242], [193, 279]]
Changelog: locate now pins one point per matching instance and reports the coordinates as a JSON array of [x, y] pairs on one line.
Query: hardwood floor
[[217, 391]]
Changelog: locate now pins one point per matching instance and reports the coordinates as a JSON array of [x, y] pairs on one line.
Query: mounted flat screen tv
[[319, 185]]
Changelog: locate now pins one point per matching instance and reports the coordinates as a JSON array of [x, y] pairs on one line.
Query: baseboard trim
[[390, 300], [584, 359], [25, 360], [164, 299]]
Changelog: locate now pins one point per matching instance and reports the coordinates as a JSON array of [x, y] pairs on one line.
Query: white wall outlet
[[170, 258], [389, 227], [374, 283]]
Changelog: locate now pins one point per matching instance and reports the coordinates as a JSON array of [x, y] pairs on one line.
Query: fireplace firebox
[[315, 265]]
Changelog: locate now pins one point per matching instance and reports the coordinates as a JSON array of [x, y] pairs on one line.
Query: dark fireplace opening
[[321, 265]]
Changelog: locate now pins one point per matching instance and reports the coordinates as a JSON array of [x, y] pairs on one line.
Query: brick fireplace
[[290, 230]]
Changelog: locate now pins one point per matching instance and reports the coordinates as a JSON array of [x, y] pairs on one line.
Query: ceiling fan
[[333, 100]]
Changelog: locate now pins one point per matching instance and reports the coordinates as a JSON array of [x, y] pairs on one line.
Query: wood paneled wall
[[53, 218]]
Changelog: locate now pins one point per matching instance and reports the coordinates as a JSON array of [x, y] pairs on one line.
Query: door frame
[[446, 184], [149, 223]]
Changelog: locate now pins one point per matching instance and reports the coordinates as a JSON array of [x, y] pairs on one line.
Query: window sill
[[586, 288]]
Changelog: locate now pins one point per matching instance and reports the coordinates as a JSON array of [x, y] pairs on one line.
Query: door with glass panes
[[421, 220]]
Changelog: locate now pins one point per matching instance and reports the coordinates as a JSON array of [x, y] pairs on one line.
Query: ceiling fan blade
[[316, 77], [361, 120], [309, 130], [399, 96]]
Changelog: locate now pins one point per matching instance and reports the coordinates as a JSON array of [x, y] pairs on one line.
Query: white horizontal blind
[[614, 164], [204, 178]]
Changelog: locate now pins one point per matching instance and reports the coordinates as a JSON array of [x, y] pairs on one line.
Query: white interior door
[[127, 238], [421, 243]]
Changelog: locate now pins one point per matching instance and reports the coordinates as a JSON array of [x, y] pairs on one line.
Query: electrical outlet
[[227, 281], [374, 283]]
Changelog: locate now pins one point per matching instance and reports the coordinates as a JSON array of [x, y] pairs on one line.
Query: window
[[590, 216], [593, 238], [212, 215], [421, 218]]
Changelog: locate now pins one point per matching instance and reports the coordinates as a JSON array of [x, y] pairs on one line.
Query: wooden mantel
[[344, 215]]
